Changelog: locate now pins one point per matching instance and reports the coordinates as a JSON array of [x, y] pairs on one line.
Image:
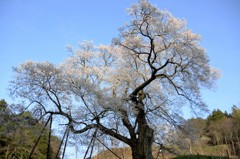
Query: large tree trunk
[[142, 146]]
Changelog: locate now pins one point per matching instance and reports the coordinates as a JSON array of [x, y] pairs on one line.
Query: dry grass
[[125, 153]]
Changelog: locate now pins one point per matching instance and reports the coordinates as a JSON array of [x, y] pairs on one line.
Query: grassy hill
[[205, 152]]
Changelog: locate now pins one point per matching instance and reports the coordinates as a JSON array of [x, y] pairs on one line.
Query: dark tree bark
[[142, 145]]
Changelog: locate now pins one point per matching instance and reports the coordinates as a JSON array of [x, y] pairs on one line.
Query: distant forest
[[220, 129], [19, 133]]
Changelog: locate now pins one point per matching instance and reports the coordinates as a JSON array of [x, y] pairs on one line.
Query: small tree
[[126, 90]]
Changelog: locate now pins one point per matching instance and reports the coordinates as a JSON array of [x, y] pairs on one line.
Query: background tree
[[18, 134], [236, 128], [96, 89], [3, 105], [216, 116], [219, 130], [214, 128]]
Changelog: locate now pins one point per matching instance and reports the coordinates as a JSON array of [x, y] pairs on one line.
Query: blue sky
[[41, 29]]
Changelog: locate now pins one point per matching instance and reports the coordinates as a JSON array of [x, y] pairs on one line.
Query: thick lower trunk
[[142, 145], [142, 148]]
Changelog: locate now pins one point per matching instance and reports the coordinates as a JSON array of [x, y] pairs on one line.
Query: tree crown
[[97, 87]]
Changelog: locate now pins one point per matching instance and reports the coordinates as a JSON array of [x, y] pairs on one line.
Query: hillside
[[19, 133], [125, 153], [217, 135]]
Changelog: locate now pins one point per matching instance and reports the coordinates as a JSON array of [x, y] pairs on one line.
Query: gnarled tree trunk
[[142, 146]]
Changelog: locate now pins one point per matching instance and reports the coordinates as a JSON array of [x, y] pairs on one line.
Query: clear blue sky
[[40, 30]]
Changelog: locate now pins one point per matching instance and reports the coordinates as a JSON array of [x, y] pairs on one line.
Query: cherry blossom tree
[[97, 89]]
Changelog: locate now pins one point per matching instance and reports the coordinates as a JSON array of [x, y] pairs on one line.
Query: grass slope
[[205, 152]]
